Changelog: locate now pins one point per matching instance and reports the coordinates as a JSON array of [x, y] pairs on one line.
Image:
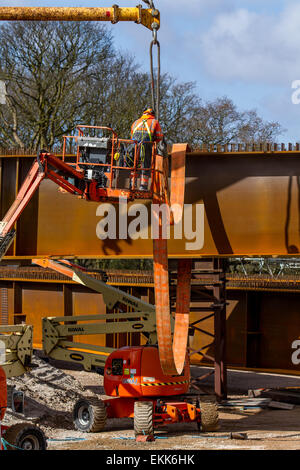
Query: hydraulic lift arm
[[57, 330], [111, 295], [17, 341], [46, 166]]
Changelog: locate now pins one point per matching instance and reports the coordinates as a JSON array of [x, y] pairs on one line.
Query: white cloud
[[248, 46]]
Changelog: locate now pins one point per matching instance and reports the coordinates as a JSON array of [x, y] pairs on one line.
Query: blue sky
[[248, 50]]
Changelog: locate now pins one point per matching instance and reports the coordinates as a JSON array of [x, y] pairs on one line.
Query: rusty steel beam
[[294, 151], [251, 208], [140, 279], [146, 17]]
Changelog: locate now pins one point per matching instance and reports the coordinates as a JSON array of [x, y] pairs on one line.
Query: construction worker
[[145, 131]]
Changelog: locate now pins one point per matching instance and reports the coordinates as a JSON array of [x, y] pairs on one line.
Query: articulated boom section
[[46, 166], [57, 330], [17, 340]]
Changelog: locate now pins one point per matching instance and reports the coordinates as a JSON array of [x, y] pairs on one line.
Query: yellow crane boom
[[148, 17]]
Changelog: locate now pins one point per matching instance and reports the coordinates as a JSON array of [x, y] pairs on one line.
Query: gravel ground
[[51, 393]]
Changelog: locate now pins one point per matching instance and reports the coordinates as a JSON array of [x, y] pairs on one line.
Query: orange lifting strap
[[172, 352]]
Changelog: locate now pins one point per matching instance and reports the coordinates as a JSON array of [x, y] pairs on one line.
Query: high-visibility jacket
[[146, 129]]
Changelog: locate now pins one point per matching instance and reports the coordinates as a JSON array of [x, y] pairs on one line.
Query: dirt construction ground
[[51, 392]]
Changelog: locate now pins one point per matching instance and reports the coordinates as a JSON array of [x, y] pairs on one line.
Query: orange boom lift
[[133, 376], [102, 172], [96, 177]]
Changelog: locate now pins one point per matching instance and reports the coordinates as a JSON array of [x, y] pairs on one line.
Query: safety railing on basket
[[117, 164]]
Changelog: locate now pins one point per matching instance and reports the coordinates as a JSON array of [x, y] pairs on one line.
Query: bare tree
[[121, 92], [63, 74], [219, 122], [117, 93], [255, 129], [45, 65], [179, 109]]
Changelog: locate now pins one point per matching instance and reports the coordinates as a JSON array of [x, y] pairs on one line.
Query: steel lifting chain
[[150, 3], [155, 99], [155, 42]]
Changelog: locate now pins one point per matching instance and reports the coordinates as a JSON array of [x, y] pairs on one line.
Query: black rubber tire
[[143, 418], [209, 413], [89, 415], [24, 436]]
